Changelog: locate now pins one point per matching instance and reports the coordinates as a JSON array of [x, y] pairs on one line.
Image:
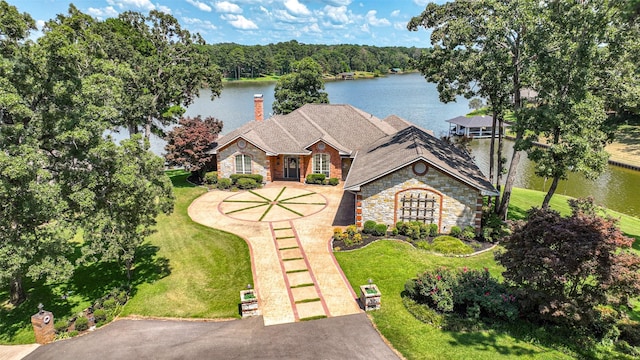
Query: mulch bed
[[368, 239]]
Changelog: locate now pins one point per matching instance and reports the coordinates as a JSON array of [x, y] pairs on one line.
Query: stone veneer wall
[[227, 160], [377, 200]]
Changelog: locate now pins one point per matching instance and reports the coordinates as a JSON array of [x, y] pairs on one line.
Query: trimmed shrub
[[334, 181], [351, 230], [211, 177], [61, 326], [394, 231], [380, 230], [255, 177], [315, 179], [369, 227], [455, 231], [100, 315], [246, 183], [449, 245], [433, 230], [82, 323], [109, 304], [471, 293], [469, 233], [224, 183]]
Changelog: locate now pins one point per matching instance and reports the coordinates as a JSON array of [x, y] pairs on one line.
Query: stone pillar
[[43, 328], [370, 297], [248, 303]]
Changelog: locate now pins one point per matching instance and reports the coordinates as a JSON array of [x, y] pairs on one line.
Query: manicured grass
[[391, 263], [524, 199], [207, 267], [183, 270]]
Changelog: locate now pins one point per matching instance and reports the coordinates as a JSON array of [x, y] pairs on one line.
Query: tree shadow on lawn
[[88, 283], [487, 341], [179, 178]]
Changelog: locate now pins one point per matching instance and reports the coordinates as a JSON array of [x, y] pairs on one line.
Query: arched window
[[243, 164], [321, 164]]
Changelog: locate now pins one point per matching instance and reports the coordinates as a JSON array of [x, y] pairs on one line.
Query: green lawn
[[391, 263], [207, 267], [183, 270]]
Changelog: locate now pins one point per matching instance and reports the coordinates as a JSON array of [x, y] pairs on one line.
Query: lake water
[[412, 98]]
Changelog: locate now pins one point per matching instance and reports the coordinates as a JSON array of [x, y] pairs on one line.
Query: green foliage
[[315, 179], [434, 288], [334, 181], [493, 228], [100, 315], [455, 231], [469, 233], [471, 293], [81, 323], [380, 230], [246, 183], [255, 177], [61, 326], [478, 294], [303, 86], [211, 177], [350, 236], [394, 231], [414, 229], [369, 227], [351, 230], [224, 183], [433, 230]]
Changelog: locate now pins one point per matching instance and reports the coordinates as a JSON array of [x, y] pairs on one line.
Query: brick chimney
[[258, 107]]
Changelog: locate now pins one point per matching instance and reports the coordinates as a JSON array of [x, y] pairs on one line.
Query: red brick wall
[[335, 167]]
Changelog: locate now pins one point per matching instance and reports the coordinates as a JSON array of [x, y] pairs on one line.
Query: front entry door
[[291, 167]]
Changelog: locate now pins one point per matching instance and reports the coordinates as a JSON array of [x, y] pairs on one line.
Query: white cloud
[[40, 24], [228, 7], [313, 28], [337, 15], [296, 8], [374, 21], [395, 13], [338, 2], [199, 24], [140, 4], [422, 2], [239, 22], [284, 16], [108, 11], [200, 5], [164, 9], [400, 25]]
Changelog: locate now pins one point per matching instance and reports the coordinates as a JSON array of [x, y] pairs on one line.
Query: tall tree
[[303, 86], [479, 50], [571, 74], [187, 143], [129, 190], [165, 67], [57, 98]]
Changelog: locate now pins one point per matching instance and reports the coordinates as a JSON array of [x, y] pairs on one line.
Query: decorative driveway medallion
[[273, 204]]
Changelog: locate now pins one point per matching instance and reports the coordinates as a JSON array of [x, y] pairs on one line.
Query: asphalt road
[[344, 337]]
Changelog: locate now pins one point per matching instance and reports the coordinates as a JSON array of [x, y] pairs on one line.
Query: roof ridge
[[414, 133], [293, 138]]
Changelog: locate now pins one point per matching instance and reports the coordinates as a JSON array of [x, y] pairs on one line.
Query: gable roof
[[408, 146], [341, 126]]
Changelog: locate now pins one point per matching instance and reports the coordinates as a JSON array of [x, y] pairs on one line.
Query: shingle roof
[[342, 126], [408, 146]]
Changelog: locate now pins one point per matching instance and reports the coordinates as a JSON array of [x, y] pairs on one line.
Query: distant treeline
[[252, 61]]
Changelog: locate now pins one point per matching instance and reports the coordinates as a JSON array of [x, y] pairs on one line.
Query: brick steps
[[303, 290]]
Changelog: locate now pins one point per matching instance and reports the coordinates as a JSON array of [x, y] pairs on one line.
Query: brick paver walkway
[[288, 227]]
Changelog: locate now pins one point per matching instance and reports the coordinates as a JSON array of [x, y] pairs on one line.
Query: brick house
[[396, 170]]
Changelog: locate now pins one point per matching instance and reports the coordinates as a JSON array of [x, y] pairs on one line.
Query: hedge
[[256, 177], [315, 179]]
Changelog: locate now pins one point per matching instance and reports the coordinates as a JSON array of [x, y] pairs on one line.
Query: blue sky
[[250, 22]]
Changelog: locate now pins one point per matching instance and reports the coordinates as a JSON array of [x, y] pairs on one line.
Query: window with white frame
[[243, 164], [321, 164]]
